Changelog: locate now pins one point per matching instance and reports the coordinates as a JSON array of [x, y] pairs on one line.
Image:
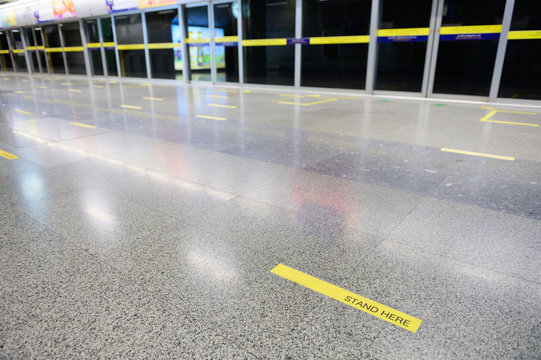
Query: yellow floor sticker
[[510, 123], [75, 90], [494, 111], [8, 155], [43, 87], [98, 86], [463, 152], [358, 302], [211, 117], [307, 104], [83, 125], [23, 112], [223, 106], [152, 98], [19, 92], [131, 107], [217, 96]]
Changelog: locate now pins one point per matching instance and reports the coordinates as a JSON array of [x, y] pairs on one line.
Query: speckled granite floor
[[149, 232]]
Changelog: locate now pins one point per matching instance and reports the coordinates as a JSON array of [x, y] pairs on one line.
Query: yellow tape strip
[[74, 49], [197, 41], [18, 51], [478, 154], [75, 90], [83, 125], [264, 42], [217, 96], [4, 51], [339, 40], [307, 104], [227, 39], [23, 112], [524, 35], [223, 106], [131, 107], [489, 115], [31, 48], [132, 47], [510, 123], [109, 44], [358, 302], [476, 29], [162, 46], [404, 32], [52, 50], [7, 155], [93, 45], [211, 117], [152, 98]]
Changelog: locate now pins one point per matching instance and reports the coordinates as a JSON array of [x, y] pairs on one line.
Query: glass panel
[[72, 38], [110, 56], [521, 71], [40, 53], [5, 58], [52, 40], [18, 44], [401, 62], [129, 31], [163, 27], [92, 36], [269, 64], [466, 66], [198, 53], [227, 54], [348, 61], [31, 53]]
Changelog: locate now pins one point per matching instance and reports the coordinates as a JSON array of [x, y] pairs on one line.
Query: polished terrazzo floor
[[143, 221]]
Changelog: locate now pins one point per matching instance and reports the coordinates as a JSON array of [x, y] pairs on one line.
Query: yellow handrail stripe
[[197, 41], [227, 39], [163, 45], [131, 47], [404, 32], [360, 39], [524, 35], [476, 29], [264, 42]]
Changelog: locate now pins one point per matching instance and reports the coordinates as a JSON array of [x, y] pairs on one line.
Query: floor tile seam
[[430, 252]]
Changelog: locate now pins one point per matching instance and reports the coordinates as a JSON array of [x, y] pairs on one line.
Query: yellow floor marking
[[349, 98], [113, 82], [510, 123], [229, 91], [83, 125], [152, 98], [291, 95], [43, 87], [217, 96], [6, 78], [8, 155], [146, 85], [247, 91], [98, 86], [131, 107], [307, 104], [313, 95], [489, 115], [517, 112], [211, 117], [66, 83], [358, 302], [478, 154], [75, 90], [223, 106], [22, 112], [19, 92], [24, 80]]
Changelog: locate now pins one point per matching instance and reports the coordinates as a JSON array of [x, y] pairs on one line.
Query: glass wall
[[226, 34], [347, 60], [54, 55], [38, 38], [466, 56], [199, 55], [401, 53], [268, 62], [94, 46], [18, 50], [73, 47], [163, 30], [129, 34], [5, 56], [109, 46], [521, 77], [32, 50]]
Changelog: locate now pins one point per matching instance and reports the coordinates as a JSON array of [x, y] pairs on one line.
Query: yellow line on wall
[[358, 302], [339, 40], [264, 42], [83, 125], [7, 155], [223, 106], [211, 117], [475, 29], [131, 107], [404, 32], [463, 152], [524, 35]]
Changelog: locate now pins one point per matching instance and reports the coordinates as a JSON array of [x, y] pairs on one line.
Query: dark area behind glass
[[129, 30], [52, 40], [162, 61], [110, 56], [72, 37], [224, 18]]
